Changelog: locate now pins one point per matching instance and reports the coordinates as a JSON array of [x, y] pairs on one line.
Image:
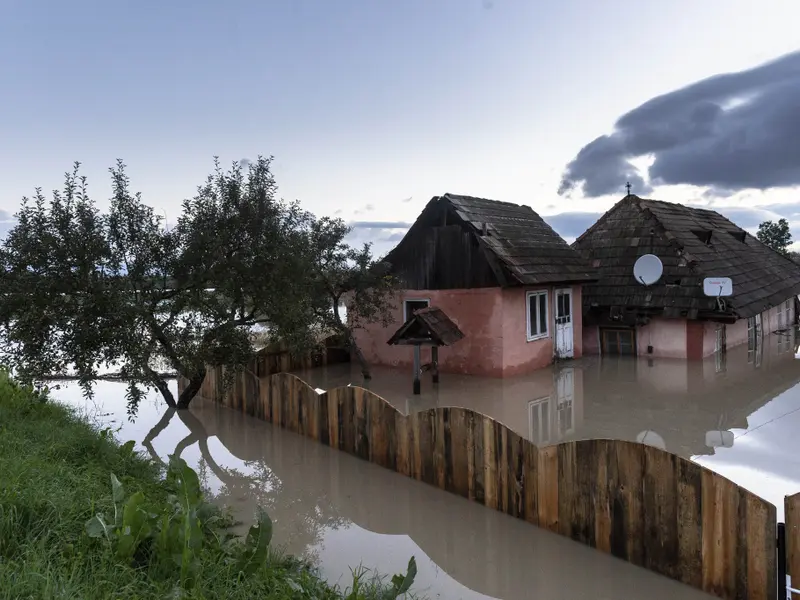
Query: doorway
[[564, 334]]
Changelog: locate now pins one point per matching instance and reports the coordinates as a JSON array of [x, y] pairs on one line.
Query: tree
[[350, 277], [85, 289], [775, 235]]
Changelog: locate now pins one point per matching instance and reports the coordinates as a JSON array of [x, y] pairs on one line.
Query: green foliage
[[66, 533], [85, 288], [775, 235]]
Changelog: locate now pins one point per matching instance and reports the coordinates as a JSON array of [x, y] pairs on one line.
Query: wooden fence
[[634, 501]]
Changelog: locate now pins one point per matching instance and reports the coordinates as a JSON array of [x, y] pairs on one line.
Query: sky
[[372, 107]]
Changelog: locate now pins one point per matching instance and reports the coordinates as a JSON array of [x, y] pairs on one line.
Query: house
[[504, 277], [673, 317]]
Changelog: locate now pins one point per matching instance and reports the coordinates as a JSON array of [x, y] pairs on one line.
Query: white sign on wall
[[718, 286]]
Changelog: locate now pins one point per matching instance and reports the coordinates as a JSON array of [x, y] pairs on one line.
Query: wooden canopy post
[[426, 327], [417, 366]]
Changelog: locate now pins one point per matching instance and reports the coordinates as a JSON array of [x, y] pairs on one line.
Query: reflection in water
[[713, 411], [341, 511]]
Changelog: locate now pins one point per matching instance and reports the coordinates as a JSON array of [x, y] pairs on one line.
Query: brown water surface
[[340, 511], [737, 413]]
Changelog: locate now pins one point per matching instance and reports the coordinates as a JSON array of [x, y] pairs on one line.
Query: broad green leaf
[[135, 526], [96, 526], [256, 545], [402, 583], [189, 492], [127, 448], [117, 490]]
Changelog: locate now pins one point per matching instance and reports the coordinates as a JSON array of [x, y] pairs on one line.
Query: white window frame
[[427, 301], [546, 333]]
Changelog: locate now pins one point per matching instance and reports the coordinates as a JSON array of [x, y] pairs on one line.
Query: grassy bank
[[71, 529]]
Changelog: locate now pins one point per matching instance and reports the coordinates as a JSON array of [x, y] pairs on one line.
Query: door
[[564, 336]]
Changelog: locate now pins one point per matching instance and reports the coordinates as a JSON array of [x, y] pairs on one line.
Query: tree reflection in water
[[303, 512]]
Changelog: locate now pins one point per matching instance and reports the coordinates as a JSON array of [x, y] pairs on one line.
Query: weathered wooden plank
[[547, 488], [478, 458], [403, 444], [489, 463], [362, 441], [660, 510], [601, 504], [625, 474], [458, 452], [720, 511], [690, 523], [530, 467], [516, 474], [439, 461]]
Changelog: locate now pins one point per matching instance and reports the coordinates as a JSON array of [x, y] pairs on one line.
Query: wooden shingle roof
[[430, 325], [521, 248], [692, 243]]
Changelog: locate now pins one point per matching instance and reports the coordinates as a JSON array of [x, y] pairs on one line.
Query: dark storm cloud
[[729, 132], [570, 225]]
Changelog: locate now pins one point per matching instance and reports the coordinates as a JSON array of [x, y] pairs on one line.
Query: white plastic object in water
[[719, 439]]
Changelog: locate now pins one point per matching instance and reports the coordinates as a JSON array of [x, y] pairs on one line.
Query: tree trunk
[[190, 391], [351, 341], [162, 386], [362, 360]]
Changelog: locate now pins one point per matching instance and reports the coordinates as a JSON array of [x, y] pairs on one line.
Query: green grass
[[55, 476]]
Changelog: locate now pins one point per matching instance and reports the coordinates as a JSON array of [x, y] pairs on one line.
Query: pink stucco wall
[[522, 356], [679, 338], [667, 336], [494, 322]]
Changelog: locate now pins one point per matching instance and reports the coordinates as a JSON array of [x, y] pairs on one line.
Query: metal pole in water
[[783, 587]]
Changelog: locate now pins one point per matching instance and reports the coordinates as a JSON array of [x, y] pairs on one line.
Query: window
[[618, 342], [785, 315], [413, 304], [721, 343], [537, 315]]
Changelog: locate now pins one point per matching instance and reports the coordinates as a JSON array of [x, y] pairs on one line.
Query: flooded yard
[[341, 512], [735, 414]]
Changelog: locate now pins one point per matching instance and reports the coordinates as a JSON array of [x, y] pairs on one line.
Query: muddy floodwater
[[735, 414]]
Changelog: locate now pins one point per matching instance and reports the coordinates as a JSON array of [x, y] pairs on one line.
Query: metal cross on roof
[[628, 187]]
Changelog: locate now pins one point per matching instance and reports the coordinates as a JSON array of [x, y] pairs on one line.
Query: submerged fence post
[[791, 543]]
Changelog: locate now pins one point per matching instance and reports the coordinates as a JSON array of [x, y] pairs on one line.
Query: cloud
[[380, 224], [570, 225], [729, 132]]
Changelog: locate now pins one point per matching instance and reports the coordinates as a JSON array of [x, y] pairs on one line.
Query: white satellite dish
[[719, 439], [718, 286], [648, 269]]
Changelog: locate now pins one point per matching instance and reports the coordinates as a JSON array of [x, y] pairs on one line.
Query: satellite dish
[[717, 286], [648, 269]]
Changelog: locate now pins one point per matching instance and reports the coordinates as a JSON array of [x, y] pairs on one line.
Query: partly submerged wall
[[639, 503]]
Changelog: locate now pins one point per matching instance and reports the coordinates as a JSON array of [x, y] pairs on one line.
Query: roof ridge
[[450, 195]]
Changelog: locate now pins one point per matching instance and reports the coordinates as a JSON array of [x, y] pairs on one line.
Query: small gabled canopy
[[429, 326]]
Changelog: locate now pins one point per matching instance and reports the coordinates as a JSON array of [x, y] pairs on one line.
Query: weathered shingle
[[692, 243], [522, 249], [430, 324]]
